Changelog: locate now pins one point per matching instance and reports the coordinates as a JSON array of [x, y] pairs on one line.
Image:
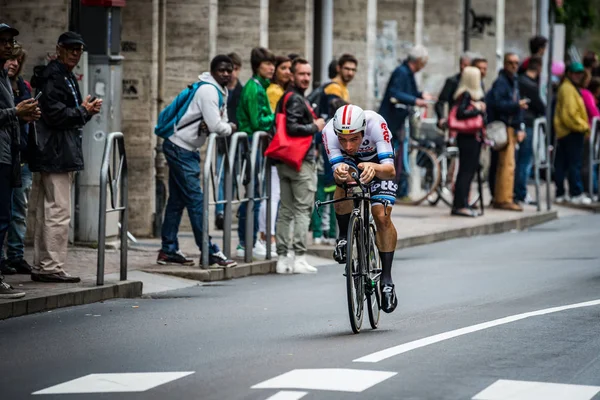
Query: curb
[[593, 208], [484, 229], [73, 297], [212, 275]]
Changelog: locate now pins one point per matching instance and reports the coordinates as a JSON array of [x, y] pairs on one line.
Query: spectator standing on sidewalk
[[10, 168], [505, 104], [482, 64], [254, 114], [234, 89], [571, 126], [592, 111], [279, 84], [447, 94], [537, 47], [400, 94], [346, 69], [183, 159], [58, 156], [594, 89], [468, 99], [530, 89], [297, 188], [15, 241]]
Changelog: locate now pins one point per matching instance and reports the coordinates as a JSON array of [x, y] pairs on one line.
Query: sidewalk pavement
[[416, 225]]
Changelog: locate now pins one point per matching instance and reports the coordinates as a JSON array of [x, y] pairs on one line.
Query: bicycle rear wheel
[[354, 277], [373, 290], [420, 177]]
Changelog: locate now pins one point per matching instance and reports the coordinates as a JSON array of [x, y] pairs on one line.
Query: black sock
[[343, 221], [387, 258]]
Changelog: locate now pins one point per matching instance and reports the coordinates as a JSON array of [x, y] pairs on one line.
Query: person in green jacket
[[254, 114]]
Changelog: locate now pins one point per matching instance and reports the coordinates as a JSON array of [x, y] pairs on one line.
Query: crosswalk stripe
[[523, 390], [114, 383], [335, 379], [287, 395]]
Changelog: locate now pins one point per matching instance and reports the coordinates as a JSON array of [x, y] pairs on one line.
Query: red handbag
[[290, 150], [469, 125]]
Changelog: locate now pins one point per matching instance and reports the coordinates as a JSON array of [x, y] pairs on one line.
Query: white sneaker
[[319, 241], [595, 198], [581, 199], [561, 199], [260, 250], [285, 264], [301, 266], [240, 251]]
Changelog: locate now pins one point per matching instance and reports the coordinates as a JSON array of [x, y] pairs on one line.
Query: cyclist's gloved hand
[[368, 172]]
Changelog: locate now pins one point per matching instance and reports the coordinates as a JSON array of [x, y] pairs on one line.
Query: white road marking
[[287, 395], [522, 390], [114, 383], [406, 347], [335, 379]]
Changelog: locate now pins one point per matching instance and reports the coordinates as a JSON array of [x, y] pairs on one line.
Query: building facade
[[166, 44]]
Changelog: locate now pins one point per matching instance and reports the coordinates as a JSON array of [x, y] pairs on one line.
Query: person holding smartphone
[[530, 92], [57, 156]]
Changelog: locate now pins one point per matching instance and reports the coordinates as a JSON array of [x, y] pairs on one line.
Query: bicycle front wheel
[[354, 276], [373, 290]]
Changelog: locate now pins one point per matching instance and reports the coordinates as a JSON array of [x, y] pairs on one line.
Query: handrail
[[258, 138], [541, 148], [237, 139], [118, 201], [594, 155]]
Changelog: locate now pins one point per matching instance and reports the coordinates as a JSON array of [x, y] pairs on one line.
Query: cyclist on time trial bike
[[360, 140]]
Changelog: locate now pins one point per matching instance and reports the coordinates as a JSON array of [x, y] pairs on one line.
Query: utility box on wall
[[101, 31]]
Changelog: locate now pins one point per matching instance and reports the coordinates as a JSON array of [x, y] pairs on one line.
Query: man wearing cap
[[10, 168], [571, 126], [58, 154]]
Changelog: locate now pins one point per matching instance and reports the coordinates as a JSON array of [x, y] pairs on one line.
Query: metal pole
[[269, 197], [249, 239], [326, 37], [466, 15], [227, 222], [206, 173], [536, 160], [102, 211], [159, 159], [593, 161], [125, 212], [500, 15], [549, 94]]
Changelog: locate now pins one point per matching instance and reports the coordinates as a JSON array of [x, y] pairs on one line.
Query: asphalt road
[[227, 337]]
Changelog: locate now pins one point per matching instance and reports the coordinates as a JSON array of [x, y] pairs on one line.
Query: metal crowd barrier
[[238, 162], [541, 159], [118, 200], [594, 155]]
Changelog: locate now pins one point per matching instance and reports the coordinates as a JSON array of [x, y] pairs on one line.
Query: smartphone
[[37, 96], [93, 99]]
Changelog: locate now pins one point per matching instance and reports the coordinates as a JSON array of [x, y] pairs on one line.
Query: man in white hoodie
[[209, 110]]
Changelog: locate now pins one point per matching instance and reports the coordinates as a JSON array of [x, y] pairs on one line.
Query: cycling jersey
[[376, 147]]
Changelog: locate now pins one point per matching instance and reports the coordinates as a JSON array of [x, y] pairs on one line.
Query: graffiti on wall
[[479, 23], [385, 57]]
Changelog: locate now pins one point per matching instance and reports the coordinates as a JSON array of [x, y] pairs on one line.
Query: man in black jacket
[[58, 155], [530, 90], [10, 165], [297, 188], [447, 93]]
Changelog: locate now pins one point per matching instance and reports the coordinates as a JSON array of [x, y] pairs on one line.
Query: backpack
[[170, 116], [320, 101]]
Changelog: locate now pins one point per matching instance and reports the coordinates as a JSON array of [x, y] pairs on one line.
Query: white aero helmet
[[348, 120]]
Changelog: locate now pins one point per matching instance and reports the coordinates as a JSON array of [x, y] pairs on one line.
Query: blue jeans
[[6, 192], [569, 160], [15, 241], [184, 192], [524, 164], [242, 210]]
